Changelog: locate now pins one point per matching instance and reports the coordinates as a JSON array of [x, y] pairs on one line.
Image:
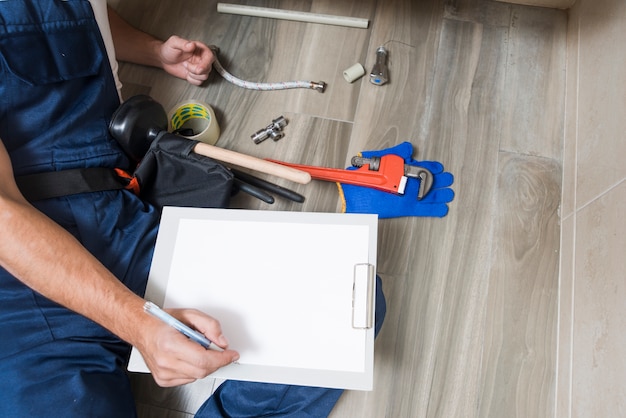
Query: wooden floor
[[471, 329]]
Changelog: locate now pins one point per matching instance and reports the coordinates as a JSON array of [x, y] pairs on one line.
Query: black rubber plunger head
[[136, 123]]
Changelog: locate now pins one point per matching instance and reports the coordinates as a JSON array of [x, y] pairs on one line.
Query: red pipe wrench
[[387, 173]]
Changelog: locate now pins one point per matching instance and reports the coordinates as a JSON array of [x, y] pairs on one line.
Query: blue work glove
[[359, 199]]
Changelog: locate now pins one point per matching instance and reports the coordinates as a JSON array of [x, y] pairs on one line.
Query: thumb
[[176, 42]]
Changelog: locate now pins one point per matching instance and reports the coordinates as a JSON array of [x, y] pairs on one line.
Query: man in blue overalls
[[73, 268]]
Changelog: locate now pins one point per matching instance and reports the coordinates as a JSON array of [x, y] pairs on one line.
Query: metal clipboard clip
[[363, 296]]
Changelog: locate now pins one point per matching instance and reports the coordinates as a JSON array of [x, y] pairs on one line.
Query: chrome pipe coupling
[[274, 130]]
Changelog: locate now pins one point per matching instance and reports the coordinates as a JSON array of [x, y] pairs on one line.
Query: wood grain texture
[[477, 85], [519, 374], [535, 94]]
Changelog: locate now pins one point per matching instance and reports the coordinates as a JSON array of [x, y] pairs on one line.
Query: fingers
[[174, 359], [196, 364], [200, 63], [190, 60], [195, 74], [203, 323]]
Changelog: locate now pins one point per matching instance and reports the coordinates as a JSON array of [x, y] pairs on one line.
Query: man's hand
[[189, 60], [174, 359]]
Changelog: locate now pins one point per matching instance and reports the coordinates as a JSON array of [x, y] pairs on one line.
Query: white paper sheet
[[281, 287]]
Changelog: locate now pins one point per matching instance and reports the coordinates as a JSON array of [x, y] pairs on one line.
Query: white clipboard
[[293, 291]]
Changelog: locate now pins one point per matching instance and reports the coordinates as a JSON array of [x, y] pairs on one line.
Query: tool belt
[[170, 174]]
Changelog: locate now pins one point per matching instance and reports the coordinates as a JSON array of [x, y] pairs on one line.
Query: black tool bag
[[170, 174]]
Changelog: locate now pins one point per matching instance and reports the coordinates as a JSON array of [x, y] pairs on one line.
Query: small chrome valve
[[380, 73], [274, 130]]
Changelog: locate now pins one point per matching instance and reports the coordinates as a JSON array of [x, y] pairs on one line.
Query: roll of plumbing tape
[[194, 120], [354, 73]]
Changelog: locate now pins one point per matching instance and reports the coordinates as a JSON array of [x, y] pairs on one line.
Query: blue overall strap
[[57, 89], [57, 95]]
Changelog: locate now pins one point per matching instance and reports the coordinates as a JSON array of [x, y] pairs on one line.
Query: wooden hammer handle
[[253, 163]]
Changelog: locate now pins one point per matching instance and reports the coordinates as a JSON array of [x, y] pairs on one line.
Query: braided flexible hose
[[283, 85]]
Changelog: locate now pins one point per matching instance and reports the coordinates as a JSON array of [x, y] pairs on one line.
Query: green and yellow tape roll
[[194, 120]]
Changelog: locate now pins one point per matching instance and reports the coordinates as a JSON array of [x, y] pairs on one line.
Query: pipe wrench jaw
[[426, 182], [396, 164]]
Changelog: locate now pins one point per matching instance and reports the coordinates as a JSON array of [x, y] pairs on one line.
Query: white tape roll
[[354, 73], [198, 118]]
